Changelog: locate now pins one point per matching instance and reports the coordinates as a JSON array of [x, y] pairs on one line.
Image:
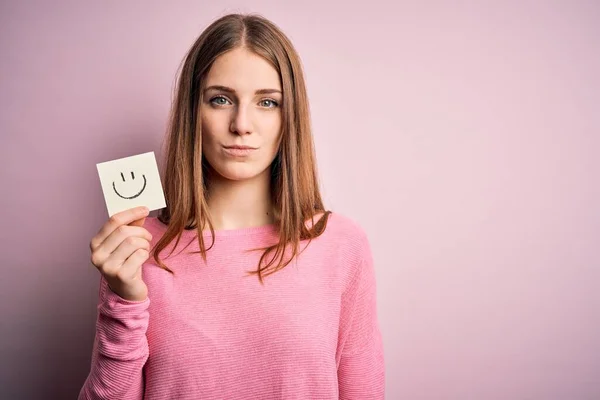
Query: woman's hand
[[119, 250]]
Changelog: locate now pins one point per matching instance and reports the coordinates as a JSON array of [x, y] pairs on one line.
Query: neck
[[240, 204]]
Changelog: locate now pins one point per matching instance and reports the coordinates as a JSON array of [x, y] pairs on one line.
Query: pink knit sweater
[[209, 332]]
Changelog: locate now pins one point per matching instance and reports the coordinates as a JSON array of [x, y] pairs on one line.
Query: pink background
[[465, 139]]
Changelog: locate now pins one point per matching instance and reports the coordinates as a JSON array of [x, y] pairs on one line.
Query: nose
[[241, 123]]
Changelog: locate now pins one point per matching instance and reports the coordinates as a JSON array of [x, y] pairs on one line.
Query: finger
[[118, 236], [128, 246], [117, 220], [131, 266], [102, 253], [138, 222], [114, 262]]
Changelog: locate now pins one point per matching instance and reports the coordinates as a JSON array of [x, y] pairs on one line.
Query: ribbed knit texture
[[210, 332]]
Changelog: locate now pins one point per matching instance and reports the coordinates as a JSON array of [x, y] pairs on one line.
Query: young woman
[[245, 286]]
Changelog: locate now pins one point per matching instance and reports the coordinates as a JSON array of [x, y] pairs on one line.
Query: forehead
[[243, 71]]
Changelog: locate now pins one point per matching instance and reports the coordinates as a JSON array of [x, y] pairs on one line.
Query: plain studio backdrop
[[463, 137]]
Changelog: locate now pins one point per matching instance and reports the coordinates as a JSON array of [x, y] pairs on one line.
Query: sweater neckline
[[251, 230], [236, 232]]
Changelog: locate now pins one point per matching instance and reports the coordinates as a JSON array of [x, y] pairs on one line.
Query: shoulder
[[348, 235], [341, 223], [345, 245]]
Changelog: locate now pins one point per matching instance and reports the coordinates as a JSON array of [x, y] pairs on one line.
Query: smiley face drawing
[[133, 178], [130, 182]]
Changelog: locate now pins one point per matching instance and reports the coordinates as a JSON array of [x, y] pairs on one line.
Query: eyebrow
[[230, 90]]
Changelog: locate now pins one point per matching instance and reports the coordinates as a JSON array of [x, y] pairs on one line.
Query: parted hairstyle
[[294, 187]]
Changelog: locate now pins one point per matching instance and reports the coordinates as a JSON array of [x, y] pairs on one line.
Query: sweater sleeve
[[120, 348], [361, 369]]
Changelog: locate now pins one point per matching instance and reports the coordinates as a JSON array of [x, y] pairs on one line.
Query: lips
[[239, 147], [238, 150]]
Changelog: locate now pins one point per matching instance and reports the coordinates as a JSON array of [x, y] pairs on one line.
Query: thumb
[[138, 222]]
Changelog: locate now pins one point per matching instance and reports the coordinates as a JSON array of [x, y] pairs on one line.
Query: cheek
[[273, 132], [278, 138], [210, 129], [207, 137]]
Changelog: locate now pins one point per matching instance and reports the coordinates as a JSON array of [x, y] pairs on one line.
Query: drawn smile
[[135, 195]]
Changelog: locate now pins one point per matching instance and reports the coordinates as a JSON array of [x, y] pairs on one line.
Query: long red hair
[[294, 181]]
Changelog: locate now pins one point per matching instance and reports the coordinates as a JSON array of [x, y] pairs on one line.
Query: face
[[241, 115], [138, 190]]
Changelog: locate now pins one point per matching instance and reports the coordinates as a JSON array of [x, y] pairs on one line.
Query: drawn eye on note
[[128, 186], [130, 182]]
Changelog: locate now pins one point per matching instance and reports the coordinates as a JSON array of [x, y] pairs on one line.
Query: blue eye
[[274, 103], [221, 101], [214, 100]]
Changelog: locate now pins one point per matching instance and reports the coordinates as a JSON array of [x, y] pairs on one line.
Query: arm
[[361, 369], [120, 348]]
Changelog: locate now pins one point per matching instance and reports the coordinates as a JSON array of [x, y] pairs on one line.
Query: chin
[[239, 172]]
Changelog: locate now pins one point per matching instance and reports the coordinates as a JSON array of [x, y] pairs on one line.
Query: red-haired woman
[[244, 286]]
